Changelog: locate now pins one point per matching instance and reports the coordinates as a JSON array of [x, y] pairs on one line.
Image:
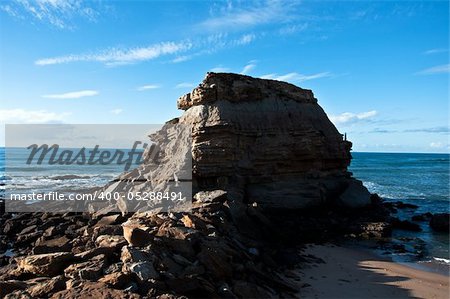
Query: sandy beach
[[353, 273]]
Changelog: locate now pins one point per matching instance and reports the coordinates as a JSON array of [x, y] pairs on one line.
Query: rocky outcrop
[[265, 141], [440, 222], [271, 139], [262, 152]]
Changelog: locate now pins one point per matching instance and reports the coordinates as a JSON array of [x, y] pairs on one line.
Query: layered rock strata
[[270, 139], [265, 141]]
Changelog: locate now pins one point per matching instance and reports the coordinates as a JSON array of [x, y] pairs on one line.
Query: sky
[[380, 69]]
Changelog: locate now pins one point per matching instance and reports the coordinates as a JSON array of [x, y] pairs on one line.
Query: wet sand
[[340, 272]]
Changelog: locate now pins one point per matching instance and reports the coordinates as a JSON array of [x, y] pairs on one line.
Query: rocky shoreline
[[201, 254], [269, 174]]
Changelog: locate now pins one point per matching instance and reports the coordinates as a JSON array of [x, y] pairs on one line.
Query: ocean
[[420, 179], [45, 178]]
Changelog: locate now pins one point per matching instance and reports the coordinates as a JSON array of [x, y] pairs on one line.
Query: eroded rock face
[[262, 141], [268, 138]]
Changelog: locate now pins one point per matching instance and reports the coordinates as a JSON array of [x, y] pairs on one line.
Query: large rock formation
[[268, 139], [251, 140], [263, 141]]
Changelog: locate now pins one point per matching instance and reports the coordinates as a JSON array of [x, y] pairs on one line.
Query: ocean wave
[[442, 260], [57, 182], [68, 177]]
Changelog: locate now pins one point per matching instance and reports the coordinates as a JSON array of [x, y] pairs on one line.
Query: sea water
[[419, 179]]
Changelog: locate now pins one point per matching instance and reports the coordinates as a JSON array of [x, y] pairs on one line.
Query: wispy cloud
[[296, 77], [435, 51], [214, 43], [147, 87], [181, 51], [183, 58], [72, 95], [220, 69], [349, 117], [116, 111], [249, 67], [439, 145], [57, 13], [31, 116], [441, 129], [383, 131], [432, 130], [116, 56], [234, 18], [291, 29], [440, 69], [245, 39], [185, 85]]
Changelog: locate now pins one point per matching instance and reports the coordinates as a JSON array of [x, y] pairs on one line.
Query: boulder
[[43, 289], [211, 196], [50, 264], [132, 255], [405, 225], [136, 233], [89, 254], [422, 217], [90, 270], [60, 244], [143, 270], [375, 230], [355, 195], [10, 286], [440, 222], [110, 220], [18, 295], [116, 279], [114, 241]]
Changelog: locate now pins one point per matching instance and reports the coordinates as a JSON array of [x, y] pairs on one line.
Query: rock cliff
[[268, 139]]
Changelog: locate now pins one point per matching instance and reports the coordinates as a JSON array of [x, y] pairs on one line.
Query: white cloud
[[440, 69], [182, 58], [436, 145], [249, 67], [57, 13], [291, 29], [219, 69], [214, 43], [239, 18], [185, 85], [30, 116], [435, 51], [245, 39], [116, 111], [116, 56], [180, 51], [72, 95], [296, 77], [147, 87], [348, 117]]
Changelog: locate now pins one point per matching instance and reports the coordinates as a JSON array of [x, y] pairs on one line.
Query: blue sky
[[379, 69]]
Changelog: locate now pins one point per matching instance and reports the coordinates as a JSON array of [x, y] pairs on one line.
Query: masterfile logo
[[78, 168]]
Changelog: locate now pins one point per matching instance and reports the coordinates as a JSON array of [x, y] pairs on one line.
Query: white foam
[[441, 260]]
